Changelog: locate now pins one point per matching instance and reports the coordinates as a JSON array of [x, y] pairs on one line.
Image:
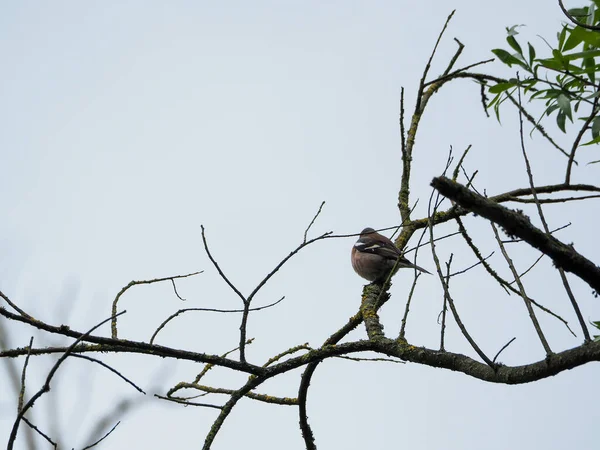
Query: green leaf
[[564, 103], [501, 87], [593, 141], [591, 68], [508, 59], [514, 44], [596, 127], [578, 55], [553, 64], [575, 38], [531, 53], [551, 109], [582, 35], [560, 121], [561, 37], [591, 19]]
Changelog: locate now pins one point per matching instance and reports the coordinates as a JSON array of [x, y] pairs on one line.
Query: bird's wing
[[384, 249]]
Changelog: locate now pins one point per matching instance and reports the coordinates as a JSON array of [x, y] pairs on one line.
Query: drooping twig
[[530, 310], [501, 281], [113, 325], [113, 370], [447, 292]]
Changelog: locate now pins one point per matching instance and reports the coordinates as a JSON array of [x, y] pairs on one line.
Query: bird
[[374, 256]]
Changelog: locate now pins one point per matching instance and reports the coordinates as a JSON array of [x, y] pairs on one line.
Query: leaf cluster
[[565, 79]]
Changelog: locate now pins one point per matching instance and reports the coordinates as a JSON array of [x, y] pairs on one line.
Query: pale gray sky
[[128, 124]]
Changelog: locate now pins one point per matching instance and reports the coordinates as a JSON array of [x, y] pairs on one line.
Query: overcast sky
[[126, 125]]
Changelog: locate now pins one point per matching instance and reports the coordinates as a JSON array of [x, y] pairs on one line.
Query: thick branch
[[519, 225]]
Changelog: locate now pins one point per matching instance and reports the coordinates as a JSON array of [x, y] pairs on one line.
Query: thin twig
[[583, 129], [216, 265], [525, 272], [551, 200], [460, 272], [13, 306], [428, 65], [445, 306], [181, 311], [103, 437], [209, 366], [106, 366], [543, 219], [113, 325], [46, 387], [313, 220], [524, 296], [518, 225], [461, 326], [402, 130], [40, 432], [188, 403], [460, 163], [502, 349], [23, 375]]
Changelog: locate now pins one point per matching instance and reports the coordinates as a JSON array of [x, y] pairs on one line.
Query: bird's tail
[[405, 263]]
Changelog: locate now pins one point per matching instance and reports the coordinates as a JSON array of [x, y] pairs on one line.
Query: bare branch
[[532, 315], [181, 311], [543, 219], [113, 325], [519, 225], [46, 387], [447, 292]]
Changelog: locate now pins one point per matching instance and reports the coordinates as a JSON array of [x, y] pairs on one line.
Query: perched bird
[[374, 256]]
